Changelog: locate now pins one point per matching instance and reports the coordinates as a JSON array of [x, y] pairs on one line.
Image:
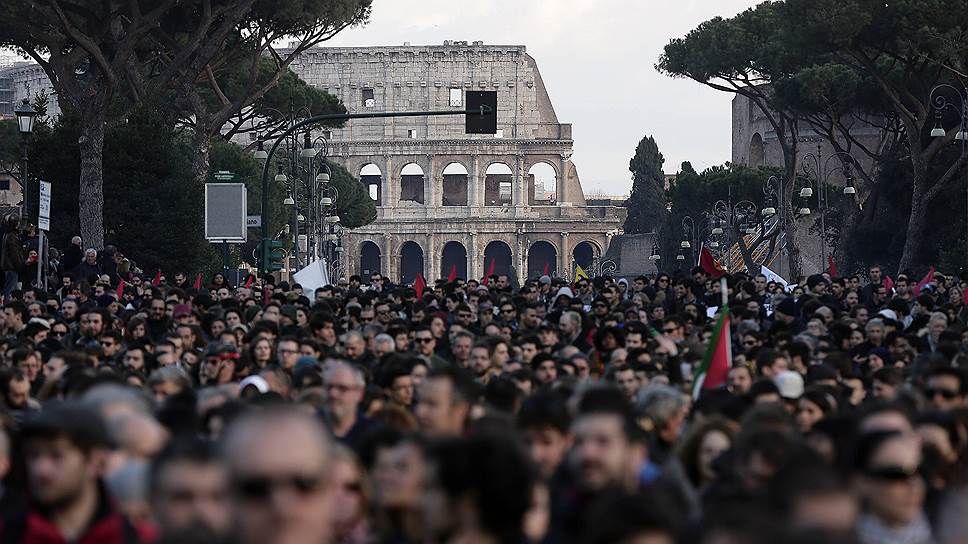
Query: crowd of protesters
[[481, 411]]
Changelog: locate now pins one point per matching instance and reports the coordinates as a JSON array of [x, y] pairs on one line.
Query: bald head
[[279, 462]]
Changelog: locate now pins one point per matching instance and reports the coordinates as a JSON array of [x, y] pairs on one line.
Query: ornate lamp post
[[818, 169], [26, 115], [940, 103]]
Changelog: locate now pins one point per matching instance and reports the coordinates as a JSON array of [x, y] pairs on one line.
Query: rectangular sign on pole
[[225, 212], [43, 215], [253, 221]]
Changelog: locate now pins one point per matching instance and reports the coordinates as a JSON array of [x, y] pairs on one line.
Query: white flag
[[773, 276], [312, 277]]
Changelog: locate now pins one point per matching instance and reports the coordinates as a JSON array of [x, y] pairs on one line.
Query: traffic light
[[481, 116], [271, 255]]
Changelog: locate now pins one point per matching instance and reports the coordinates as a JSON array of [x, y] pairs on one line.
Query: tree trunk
[[91, 194], [201, 154], [915, 230]]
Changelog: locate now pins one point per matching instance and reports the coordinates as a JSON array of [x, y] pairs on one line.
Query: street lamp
[[25, 124], [260, 153], [940, 103], [816, 167]]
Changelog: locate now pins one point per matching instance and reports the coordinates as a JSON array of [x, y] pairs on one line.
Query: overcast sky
[[596, 58]]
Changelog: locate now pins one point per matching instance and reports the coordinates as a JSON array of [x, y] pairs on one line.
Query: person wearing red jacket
[[65, 448]]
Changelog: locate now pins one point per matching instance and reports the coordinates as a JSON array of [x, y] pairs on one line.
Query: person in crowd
[[596, 410]]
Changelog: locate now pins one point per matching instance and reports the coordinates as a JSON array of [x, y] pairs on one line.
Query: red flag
[[888, 284], [832, 267], [928, 278], [490, 271], [419, 284], [198, 282], [452, 275], [545, 269], [157, 281], [709, 264], [249, 281], [121, 285], [714, 369]]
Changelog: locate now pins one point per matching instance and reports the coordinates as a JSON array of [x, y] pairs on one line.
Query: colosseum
[[510, 203]]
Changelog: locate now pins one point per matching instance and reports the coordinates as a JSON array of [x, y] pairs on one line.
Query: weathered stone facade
[[754, 141], [491, 214]]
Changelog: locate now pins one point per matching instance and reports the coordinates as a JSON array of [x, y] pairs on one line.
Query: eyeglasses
[[260, 488], [464, 316], [946, 394], [892, 473], [339, 387], [353, 487], [508, 311], [59, 333], [423, 340]]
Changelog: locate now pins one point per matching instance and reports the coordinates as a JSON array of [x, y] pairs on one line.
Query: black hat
[[216, 349], [82, 425]]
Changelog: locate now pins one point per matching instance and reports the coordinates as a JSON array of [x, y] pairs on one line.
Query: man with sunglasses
[[887, 469], [946, 388], [278, 494], [425, 345]]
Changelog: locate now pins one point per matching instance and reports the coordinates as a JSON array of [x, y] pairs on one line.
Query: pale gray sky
[[596, 58]]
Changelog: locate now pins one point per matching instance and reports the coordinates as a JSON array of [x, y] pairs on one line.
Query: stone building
[[25, 80], [755, 143], [446, 200]]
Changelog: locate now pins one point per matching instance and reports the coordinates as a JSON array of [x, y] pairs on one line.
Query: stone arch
[[411, 262], [412, 183], [542, 183], [498, 258], [585, 254], [757, 153], [498, 184], [542, 259], [453, 256], [371, 260], [454, 184], [371, 176]]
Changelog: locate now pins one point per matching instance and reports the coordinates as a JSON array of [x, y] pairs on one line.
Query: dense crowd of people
[[481, 411]]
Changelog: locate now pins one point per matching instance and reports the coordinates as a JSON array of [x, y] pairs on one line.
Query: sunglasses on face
[[892, 473], [946, 394], [260, 488], [423, 340]]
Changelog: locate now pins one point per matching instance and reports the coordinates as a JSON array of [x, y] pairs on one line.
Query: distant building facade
[[755, 143], [446, 200]]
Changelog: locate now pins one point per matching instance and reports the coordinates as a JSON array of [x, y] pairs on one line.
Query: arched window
[[411, 262], [497, 258], [498, 185], [542, 260], [412, 183], [756, 151], [584, 256], [370, 260], [454, 185], [372, 178], [453, 260], [542, 184]]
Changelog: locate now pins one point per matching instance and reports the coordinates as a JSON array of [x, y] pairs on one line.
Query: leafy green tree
[[694, 195], [747, 55], [153, 207], [116, 54], [646, 203], [904, 48]]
